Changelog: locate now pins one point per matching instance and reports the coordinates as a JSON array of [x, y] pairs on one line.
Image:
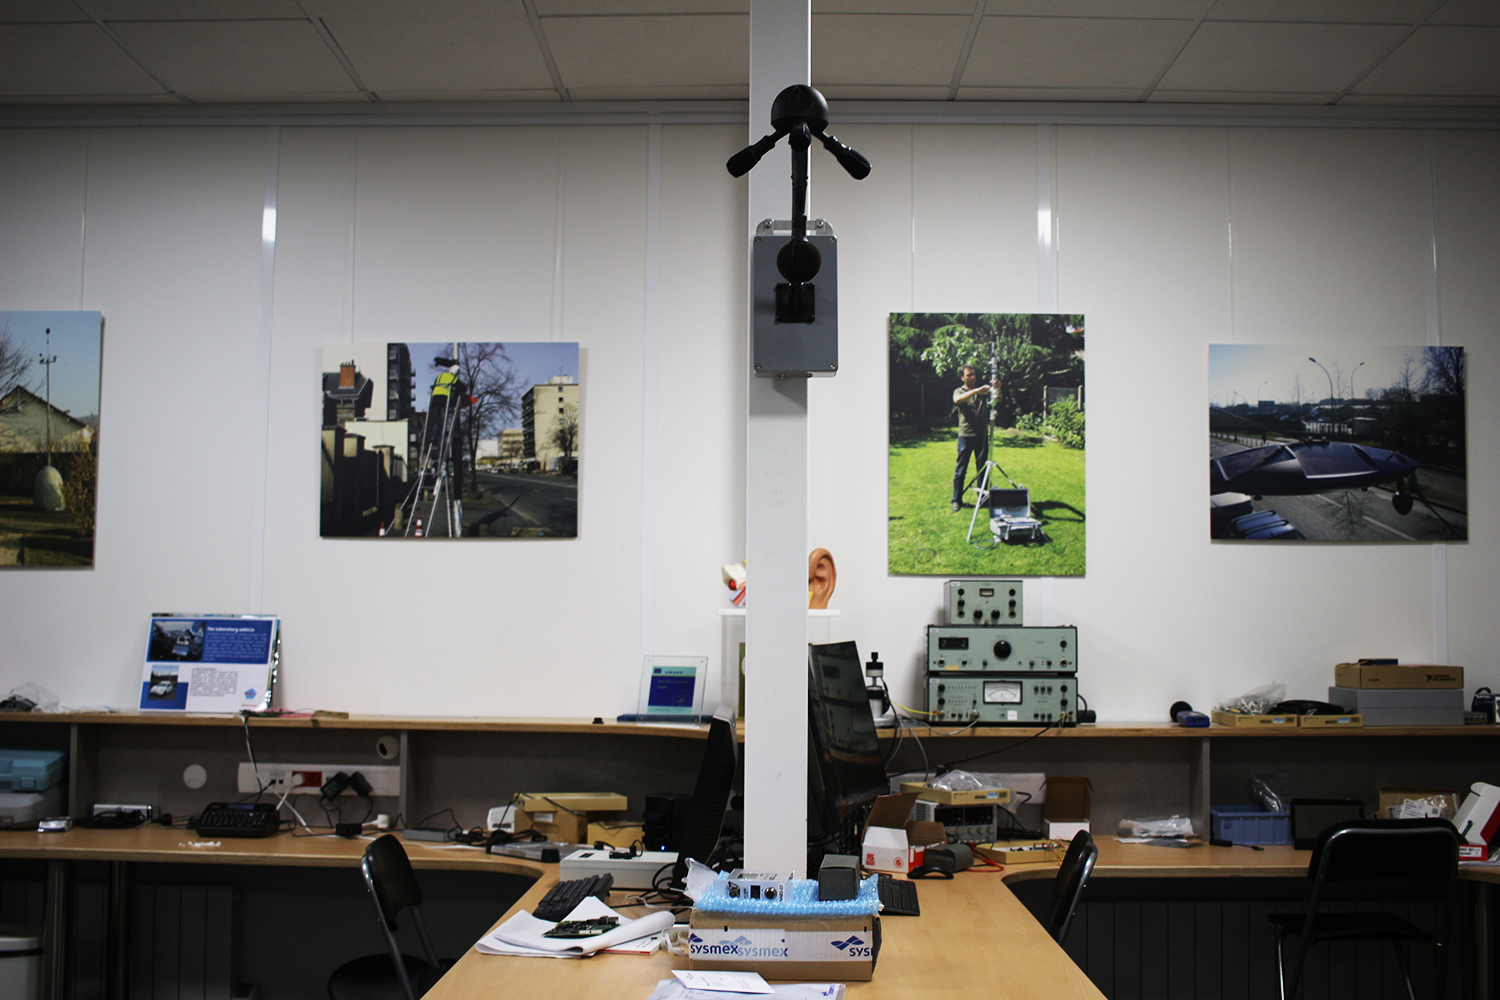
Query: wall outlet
[[308, 779]]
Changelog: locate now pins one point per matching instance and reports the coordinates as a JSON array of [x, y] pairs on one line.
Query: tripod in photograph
[[982, 475], [439, 467]]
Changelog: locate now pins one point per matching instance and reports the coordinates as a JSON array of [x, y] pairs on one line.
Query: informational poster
[[210, 663]]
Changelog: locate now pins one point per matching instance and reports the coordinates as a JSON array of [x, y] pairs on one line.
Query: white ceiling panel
[[649, 51], [1441, 60], [1111, 94], [1086, 53], [891, 92], [1329, 11], [1237, 97], [886, 48], [1467, 12], [1098, 8], [1273, 58], [192, 10], [39, 10], [269, 58], [465, 96], [60, 59], [572, 8], [492, 51], [738, 92], [1295, 52], [964, 7]]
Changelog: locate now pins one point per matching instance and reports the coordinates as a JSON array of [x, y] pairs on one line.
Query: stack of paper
[[523, 934], [694, 985]]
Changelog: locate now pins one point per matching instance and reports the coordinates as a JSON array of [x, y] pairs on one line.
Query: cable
[[1021, 742], [254, 767]]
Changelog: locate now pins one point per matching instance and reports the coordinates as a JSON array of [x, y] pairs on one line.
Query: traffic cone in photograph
[[418, 530]]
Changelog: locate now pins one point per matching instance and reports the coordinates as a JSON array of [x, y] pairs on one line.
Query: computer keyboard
[[898, 898], [238, 819], [562, 897]]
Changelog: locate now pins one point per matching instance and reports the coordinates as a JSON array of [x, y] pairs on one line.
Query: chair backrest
[[1067, 887], [389, 875], [1386, 849]]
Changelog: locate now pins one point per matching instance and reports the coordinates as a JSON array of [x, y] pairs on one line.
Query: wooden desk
[[974, 939], [947, 945]]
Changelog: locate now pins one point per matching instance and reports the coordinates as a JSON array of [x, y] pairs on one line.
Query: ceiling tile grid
[[1359, 52]]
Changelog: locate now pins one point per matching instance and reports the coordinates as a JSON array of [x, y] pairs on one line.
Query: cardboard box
[[1405, 675], [538, 802], [1330, 721], [1241, 721], [563, 816], [891, 843], [820, 949], [1478, 819], [1070, 798], [1403, 706], [565, 828], [1391, 797], [948, 797], [1020, 852]]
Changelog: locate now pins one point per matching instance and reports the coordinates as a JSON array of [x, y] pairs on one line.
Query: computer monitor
[[705, 813], [846, 768]]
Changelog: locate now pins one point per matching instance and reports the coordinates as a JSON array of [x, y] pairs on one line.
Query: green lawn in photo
[[927, 537]]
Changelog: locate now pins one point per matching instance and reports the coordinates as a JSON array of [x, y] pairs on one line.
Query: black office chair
[[393, 976], [1419, 854], [1067, 887]]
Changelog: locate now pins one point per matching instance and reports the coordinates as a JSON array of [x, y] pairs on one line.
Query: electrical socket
[[308, 779]]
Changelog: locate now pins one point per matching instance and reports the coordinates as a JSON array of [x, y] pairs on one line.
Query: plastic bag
[[1160, 826], [1430, 807], [1272, 791], [1257, 702], [960, 781], [29, 697]]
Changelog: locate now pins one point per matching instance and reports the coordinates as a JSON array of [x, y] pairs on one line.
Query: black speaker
[[661, 821]]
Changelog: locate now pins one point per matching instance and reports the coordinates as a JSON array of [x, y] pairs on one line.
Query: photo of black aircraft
[[1294, 464]]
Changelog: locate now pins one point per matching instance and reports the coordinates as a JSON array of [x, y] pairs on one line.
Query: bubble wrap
[[802, 901]]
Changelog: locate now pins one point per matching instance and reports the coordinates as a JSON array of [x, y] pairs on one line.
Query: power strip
[[308, 779], [630, 873], [106, 807]]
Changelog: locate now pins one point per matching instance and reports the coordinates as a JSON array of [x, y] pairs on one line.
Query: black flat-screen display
[[705, 813], [846, 768]]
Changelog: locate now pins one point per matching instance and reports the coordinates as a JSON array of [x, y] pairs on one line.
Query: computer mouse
[[924, 871]]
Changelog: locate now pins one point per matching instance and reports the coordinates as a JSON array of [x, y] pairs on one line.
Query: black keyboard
[[562, 897], [898, 897], [238, 819]]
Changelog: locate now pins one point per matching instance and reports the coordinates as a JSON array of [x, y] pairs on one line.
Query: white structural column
[[775, 500]]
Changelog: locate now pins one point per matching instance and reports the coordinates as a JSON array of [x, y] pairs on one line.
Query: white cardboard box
[[891, 842], [1478, 819]]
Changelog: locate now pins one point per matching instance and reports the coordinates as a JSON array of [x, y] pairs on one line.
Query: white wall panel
[[1329, 236], [172, 260], [1468, 228], [700, 378], [1169, 239], [847, 443], [45, 170]]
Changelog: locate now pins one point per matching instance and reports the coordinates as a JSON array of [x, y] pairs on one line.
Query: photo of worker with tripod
[[1016, 414]]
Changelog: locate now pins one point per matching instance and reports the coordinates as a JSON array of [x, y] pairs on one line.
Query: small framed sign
[[672, 688], [210, 663]]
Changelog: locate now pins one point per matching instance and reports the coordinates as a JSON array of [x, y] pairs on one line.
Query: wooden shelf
[[467, 724], [1152, 730]]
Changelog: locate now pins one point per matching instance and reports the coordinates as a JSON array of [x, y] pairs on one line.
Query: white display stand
[[732, 633]]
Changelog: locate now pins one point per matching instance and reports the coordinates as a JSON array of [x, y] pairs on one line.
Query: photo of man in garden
[[1017, 415]]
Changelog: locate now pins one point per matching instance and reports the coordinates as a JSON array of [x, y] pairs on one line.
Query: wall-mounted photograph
[[450, 440], [49, 437], [986, 449], [1340, 443]]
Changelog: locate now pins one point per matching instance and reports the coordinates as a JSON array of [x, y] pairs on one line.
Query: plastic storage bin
[[20, 963], [1250, 824], [30, 770]]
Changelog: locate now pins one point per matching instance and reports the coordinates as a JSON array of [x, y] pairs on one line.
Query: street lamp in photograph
[[1331, 393]]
